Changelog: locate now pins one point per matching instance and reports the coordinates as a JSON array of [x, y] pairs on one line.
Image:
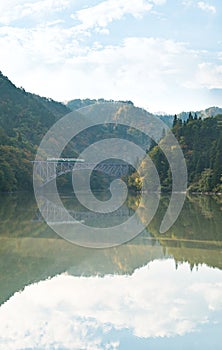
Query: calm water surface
[[155, 292]]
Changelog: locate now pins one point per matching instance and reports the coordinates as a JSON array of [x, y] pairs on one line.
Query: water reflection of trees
[[30, 251], [196, 236], [200, 219], [16, 216]]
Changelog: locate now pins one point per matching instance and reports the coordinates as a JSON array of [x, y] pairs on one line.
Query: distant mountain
[[78, 103], [166, 118], [81, 103], [206, 113]]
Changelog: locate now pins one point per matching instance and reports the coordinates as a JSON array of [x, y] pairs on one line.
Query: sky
[[164, 55]]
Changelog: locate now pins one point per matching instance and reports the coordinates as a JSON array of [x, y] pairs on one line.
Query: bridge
[[55, 214], [48, 170]]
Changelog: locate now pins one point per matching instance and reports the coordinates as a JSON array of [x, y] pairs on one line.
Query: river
[[157, 291]]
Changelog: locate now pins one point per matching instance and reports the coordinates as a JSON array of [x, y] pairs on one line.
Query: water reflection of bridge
[[48, 170], [55, 214]]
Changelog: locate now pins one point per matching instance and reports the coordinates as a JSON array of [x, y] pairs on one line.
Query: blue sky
[[164, 55]]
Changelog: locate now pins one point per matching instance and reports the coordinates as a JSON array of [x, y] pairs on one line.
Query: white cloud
[[17, 9], [203, 5], [44, 45], [209, 75], [77, 61], [104, 31], [155, 73], [107, 11], [84, 313], [206, 7]]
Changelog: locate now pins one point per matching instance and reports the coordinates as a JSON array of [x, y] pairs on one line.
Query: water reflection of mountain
[[31, 251]]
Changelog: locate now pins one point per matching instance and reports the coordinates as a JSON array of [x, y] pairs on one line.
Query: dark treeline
[[201, 143]]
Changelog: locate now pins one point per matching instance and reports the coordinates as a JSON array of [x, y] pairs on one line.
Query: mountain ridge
[[25, 118], [211, 111]]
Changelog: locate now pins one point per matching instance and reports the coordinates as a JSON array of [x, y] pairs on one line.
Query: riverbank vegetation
[[201, 143]]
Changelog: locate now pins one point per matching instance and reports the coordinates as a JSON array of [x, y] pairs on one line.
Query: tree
[[175, 120], [205, 182]]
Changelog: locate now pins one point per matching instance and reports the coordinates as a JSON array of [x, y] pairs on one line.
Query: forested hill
[[81, 103], [201, 142], [26, 114], [24, 119]]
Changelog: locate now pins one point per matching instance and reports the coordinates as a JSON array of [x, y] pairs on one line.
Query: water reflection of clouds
[[69, 312]]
